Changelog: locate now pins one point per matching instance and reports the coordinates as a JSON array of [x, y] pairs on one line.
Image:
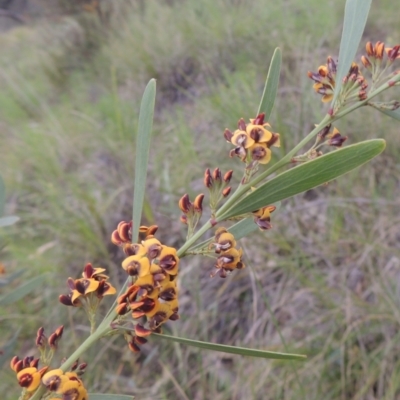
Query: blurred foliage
[[326, 278]]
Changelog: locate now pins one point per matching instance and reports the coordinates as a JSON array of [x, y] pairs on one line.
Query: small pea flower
[[262, 217], [29, 378]]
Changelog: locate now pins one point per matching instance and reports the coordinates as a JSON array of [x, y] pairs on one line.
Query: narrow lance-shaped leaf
[[232, 349], [143, 141], [391, 113], [355, 18], [271, 85], [306, 176]]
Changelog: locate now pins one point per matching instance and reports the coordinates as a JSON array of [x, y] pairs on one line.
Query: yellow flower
[[137, 265], [260, 153], [259, 133], [228, 261], [163, 312], [168, 260], [168, 290], [29, 378], [54, 379], [105, 289], [262, 217], [242, 139], [147, 289], [224, 240], [82, 287]]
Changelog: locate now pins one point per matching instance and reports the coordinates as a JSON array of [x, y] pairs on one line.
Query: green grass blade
[[100, 396], [6, 352], [271, 85], [394, 114], [7, 221], [2, 196], [143, 140], [232, 349], [23, 290], [355, 18], [306, 176], [6, 281]]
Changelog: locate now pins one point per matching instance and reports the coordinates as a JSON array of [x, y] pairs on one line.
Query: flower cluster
[[68, 385], [88, 290], [28, 374], [191, 211], [122, 236], [229, 257], [217, 186], [153, 293], [253, 141], [377, 54], [354, 84]]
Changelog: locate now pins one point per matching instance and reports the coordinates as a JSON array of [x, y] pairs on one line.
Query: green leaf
[[21, 291], [271, 85], [394, 114], [2, 196], [232, 349], [143, 141], [10, 220], [99, 396], [306, 176], [355, 18]]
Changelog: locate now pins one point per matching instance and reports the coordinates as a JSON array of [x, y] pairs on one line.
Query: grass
[[325, 279]]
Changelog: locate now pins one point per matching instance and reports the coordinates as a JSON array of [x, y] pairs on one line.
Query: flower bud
[[208, 181], [198, 203], [228, 135], [185, 204], [242, 124], [226, 191], [228, 176]]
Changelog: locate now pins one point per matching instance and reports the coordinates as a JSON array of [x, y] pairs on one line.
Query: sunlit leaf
[[308, 175], [23, 290], [143, 140], [355, 18], [10, 220], [271, 85], [100, 396], [232, 349]]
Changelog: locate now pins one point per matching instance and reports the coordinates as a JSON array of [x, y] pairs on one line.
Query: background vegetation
[[324, 282]]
